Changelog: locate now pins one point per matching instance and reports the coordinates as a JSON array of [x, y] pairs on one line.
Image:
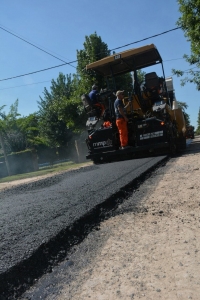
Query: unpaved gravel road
[[148, 249]]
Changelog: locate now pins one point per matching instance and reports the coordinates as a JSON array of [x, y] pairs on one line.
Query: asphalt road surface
[[33, 214]]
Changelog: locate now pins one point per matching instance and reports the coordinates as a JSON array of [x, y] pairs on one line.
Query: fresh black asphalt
[[34, 213]]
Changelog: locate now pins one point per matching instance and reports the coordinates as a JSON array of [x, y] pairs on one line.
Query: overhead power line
[[164, 32], [33, 45], [12, 87], [173, 59], [69, 63], [37, 71], [185, 71]]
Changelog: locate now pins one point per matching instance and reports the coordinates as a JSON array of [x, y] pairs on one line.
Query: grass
[[45, 171]]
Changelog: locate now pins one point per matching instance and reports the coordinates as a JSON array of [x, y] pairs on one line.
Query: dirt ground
[[154, 254]]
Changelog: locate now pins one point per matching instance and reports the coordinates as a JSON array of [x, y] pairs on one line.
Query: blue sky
[[60, 27]]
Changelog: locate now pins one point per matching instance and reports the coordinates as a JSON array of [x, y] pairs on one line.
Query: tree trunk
[[5, 155]]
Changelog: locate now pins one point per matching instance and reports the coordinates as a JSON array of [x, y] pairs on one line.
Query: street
[[35, 214]]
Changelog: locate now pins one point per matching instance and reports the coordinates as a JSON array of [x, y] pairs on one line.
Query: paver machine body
[[156, 124], [190, 132]]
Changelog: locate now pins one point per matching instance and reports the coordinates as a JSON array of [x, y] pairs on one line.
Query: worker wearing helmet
[[121, 119], [95, 100], [93, 94]]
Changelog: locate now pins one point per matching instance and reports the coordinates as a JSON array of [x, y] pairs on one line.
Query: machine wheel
[[172, 147], [182, 143], [96, 161]]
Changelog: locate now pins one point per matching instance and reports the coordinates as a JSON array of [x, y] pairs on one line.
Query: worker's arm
[[122, 113], [127, 104]]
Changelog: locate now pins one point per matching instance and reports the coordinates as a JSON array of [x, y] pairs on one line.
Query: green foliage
[[124, 82], [59, 111], [61, 114], [190, 23], [21, 162], [94, 49], [141, 76], [198, 123], [13, 138], [30, 128], [9, 120], [184, 106], [2, 117], [19, 133]]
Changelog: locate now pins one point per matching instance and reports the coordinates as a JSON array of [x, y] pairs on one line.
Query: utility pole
[[77, 150], [4, 152]]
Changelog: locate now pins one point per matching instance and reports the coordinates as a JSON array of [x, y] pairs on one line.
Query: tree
[[2, 116], [2, 125], [141, 77], [29, 126], [94, 49], [59, 111], [190, 23], [13, 137], [124, 82], [198, 123], [184, 106]]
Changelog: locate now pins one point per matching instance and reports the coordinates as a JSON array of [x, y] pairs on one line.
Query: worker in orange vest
[[121, 119]]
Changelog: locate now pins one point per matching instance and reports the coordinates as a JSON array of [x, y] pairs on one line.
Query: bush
[[19, 162]]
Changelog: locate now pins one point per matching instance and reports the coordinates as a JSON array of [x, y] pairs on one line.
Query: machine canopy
[[127, 61]]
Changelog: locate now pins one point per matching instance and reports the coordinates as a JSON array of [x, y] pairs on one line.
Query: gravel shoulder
[[151, 248]]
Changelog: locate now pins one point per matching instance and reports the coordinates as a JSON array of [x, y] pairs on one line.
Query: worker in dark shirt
[[121, 119], [100, 108], [93, 94]]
